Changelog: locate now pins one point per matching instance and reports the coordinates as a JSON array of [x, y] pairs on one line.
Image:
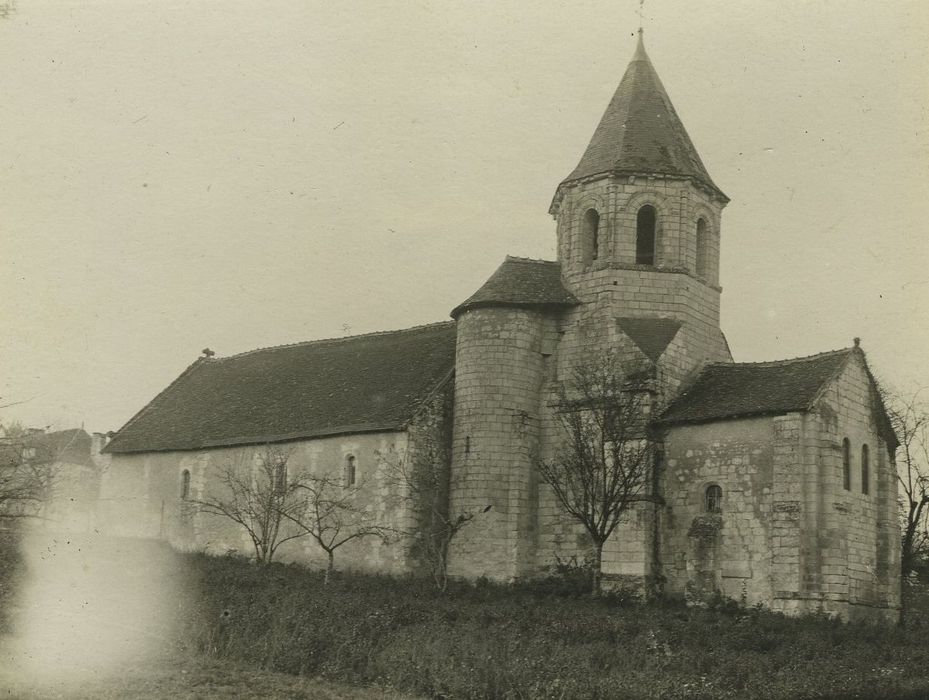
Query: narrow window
[[185, 485], [645, 235], [865, 470], [280, 477], [592, 232], [701, 248], [350, 473], [467, 444], [846, 465], [714, 499]]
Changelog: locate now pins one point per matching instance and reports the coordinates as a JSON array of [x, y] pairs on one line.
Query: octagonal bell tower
[[638, 226]]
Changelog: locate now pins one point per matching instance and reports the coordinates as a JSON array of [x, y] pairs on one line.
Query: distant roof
[[729, 390], [521, 282], [362, 383], [640, 132], [651, 335], [72, 446]]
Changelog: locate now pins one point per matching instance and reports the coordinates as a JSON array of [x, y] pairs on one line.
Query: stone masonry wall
[[613, 287], [628, 556], [426, 479], [141, 497], [726, 553], [793, 484], [853, 537], [611, 294], [498, 377], [679, 205], [586, 335]]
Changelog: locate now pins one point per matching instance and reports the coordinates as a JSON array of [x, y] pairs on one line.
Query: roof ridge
[[517, 258], [138, 414], [832, 377], [785, 361], [302, 343], [67, 430]]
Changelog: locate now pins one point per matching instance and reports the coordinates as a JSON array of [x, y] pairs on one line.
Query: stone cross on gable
[[207, 353]]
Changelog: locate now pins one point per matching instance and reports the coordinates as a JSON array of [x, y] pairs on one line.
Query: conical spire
[[640, 133], [640, 54]]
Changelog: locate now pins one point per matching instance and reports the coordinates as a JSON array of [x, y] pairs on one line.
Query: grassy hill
[[545, 641], [488, 641]]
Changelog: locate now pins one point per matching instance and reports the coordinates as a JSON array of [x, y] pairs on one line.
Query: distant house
[[774, 482], [69, 465]]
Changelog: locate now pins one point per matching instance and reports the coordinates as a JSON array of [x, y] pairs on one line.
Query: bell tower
[[638, 229], [637, 274]]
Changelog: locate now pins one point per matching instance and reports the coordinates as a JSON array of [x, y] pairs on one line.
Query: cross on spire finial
[[641, 20]]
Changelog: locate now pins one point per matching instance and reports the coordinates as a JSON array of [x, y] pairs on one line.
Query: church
[[775, 483]]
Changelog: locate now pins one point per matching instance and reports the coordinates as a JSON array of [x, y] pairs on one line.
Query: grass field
[[544, 641], [164, 624], [183, 679]]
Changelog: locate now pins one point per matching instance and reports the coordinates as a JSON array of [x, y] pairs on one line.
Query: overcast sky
[[176, 175]]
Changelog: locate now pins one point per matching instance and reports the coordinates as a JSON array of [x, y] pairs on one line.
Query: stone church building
[[775, 481]]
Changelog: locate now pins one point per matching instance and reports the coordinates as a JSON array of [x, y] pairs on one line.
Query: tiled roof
[[72, 446], [728, 390], [357, 384], [521, 282], [651, 335], [640, 132]]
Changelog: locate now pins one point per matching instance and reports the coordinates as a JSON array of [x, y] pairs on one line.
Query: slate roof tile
[[641, 133], [729, 390], [357, 384], [521, 283], [72, 446]]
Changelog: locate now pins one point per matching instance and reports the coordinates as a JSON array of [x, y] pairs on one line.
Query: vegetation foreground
[[547, 640]]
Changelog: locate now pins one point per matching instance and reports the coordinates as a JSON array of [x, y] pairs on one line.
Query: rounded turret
[[503, 333]]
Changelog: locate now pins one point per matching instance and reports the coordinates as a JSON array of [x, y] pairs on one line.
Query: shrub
[[537, 640], [11, 571]]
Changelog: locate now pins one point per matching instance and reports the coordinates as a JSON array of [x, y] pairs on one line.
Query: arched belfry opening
[[702, 244], [645, 225], [592, 234]]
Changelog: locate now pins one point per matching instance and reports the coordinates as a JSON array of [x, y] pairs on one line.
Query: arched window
[[865, 470], [714, 499], [185, 484], [846, 465], [350, 471], [701, 248], [280, 476], [592, 233], [645, 222]]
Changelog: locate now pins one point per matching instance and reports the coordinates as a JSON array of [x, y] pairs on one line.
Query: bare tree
[[260, 496], [27, 475], [910, 420], [605, 463], [423, 478], [333, 515], [25, 486]]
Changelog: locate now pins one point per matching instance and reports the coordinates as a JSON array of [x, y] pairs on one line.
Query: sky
[[235, 175]]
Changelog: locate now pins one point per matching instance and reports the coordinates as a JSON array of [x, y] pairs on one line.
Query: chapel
[[774, 483]]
